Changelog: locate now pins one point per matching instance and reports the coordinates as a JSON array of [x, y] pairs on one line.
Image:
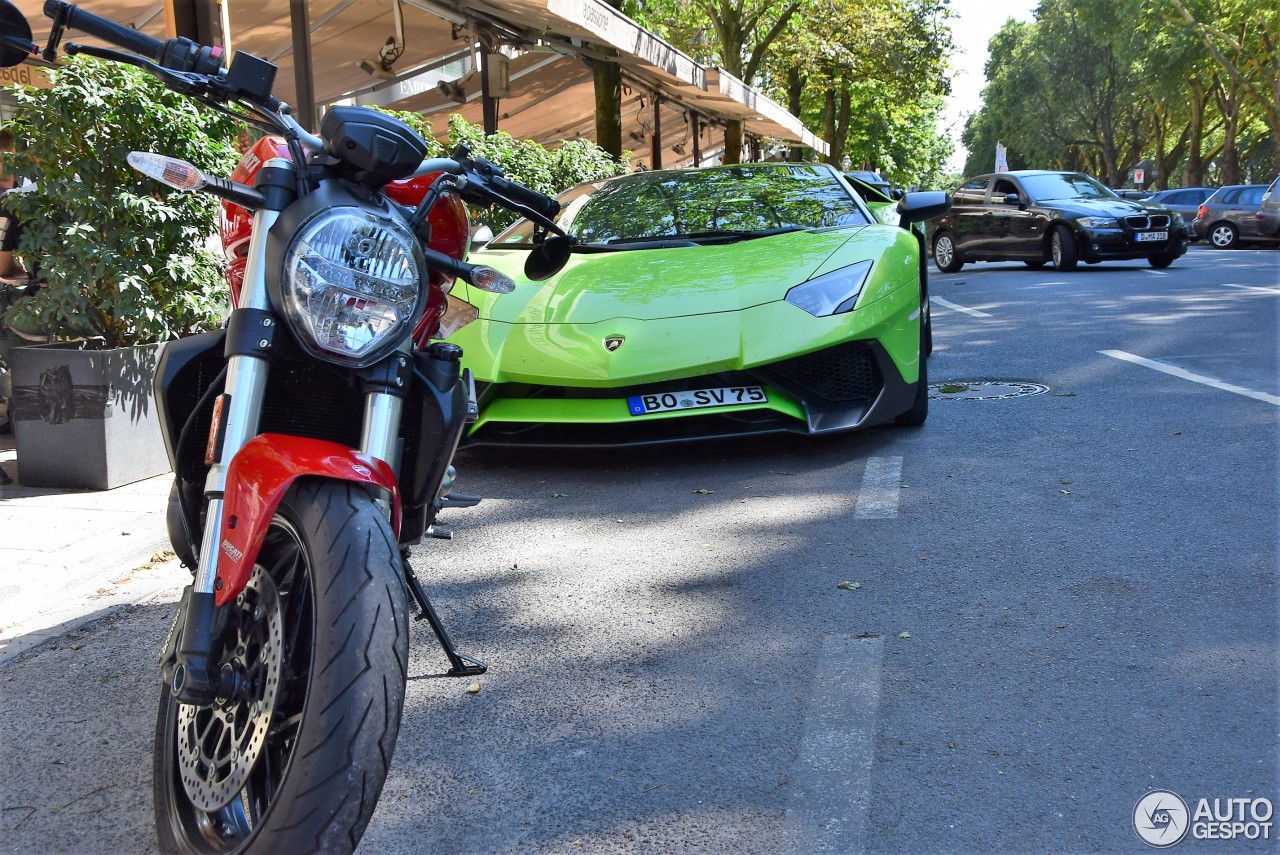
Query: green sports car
[[702, 303]]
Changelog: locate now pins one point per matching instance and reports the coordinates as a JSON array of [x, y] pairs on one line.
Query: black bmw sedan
[[1038, 216]]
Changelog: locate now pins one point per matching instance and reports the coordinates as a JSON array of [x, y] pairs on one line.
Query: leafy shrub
[[527, 162], [125, 256]]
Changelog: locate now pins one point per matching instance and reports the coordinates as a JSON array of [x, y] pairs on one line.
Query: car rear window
[[1252, 195]]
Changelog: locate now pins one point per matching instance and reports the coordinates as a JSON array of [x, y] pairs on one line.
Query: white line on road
[[1252, 288], [831, 797], [881, 489], [965, 309], [1194, 378]]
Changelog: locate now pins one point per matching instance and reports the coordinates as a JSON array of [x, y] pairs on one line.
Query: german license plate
[[726, 396], [1143, 237]]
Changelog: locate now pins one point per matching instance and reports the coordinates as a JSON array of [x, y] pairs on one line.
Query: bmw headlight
[[1099, 222], [353, 284], [1176, 218], [831, 293]]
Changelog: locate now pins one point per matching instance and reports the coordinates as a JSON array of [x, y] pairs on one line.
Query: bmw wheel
[[1223, 235], [1063, 249], [944, 254]]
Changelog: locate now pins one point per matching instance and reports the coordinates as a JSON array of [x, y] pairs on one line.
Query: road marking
[[831, 794], [881, 489], [1194, 378], [1156, 272], [965, 309], [1252, 288]]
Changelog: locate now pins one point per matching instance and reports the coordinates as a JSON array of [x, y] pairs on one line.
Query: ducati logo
[[613, 342]]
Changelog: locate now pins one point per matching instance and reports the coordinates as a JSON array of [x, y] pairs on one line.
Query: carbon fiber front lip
[[892, 397]]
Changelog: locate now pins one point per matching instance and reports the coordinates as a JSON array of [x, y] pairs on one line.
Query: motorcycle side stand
[[460, 664]]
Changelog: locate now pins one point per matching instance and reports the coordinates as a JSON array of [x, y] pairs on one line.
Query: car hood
[[1102, 207], [651, 284]]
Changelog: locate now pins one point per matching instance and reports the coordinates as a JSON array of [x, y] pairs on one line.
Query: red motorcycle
[[311, 442]]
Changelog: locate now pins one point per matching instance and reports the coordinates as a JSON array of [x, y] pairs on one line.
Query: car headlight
[[831, 293], [1176, 219], [353, 285], [1099, 222]]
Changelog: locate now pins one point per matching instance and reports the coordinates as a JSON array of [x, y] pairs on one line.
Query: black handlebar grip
[[118, 34], [538, 202]]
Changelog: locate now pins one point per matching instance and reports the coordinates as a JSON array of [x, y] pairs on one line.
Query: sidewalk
[[71, 556]]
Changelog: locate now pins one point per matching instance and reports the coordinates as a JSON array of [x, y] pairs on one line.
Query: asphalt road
[[1061, 594]]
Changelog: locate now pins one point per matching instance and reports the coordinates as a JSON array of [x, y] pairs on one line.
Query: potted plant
[[126, 262]]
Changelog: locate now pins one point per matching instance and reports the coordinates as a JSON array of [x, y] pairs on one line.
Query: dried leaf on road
[[904, 635], [849, 586]]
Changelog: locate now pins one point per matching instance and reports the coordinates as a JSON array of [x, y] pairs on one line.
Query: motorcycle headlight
[[353, 284], [831, 293]]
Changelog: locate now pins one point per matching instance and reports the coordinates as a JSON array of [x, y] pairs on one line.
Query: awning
[[552, 96]]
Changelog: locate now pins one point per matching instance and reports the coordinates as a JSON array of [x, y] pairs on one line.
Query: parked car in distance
[[1229, 217], [1268, 216], [1038, 216], [1185, 200], [703, 303]]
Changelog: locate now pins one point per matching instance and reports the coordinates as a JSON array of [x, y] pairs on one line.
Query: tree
[[1242, 38], [744, 32]]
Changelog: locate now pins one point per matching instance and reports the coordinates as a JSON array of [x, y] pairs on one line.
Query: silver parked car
[[1185, 200], [1229, 217], [1268, 216]]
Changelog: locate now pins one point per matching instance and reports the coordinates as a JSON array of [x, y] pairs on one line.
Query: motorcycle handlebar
[[538, 202], [122, 36], [180, 54]]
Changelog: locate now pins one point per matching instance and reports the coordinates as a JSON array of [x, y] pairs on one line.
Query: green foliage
[[527, 162], [1185, 88], [869, 76], [124, 255], [420, 126]]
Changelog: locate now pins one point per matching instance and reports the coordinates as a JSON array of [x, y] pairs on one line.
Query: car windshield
[[1064, 185], [735, 202]]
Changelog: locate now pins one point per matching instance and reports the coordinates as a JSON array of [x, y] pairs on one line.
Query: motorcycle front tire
[[325, 616]]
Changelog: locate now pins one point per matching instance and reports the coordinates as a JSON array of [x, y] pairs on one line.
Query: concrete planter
[[85, 418]]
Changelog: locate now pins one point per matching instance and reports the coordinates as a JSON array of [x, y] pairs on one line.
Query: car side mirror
[[1013, 199], [918, 207]]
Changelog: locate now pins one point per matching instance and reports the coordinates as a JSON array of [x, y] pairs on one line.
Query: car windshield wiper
[[737, 234]]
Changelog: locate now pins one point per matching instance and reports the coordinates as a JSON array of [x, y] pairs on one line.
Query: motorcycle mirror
[[15, 44], [548, 258]]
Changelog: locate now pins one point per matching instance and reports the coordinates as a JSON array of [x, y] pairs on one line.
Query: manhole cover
[[985, 390]]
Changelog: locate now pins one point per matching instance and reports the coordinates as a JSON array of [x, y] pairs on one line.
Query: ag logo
[[613, 342], [1161, 818]]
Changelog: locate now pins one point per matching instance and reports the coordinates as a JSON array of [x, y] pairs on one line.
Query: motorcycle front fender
[[258, 478]]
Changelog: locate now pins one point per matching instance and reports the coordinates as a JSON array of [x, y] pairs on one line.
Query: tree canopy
[[869, 76], [1186, 90]]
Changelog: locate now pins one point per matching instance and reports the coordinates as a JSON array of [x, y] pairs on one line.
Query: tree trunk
[[795, 89], [1193, 171], [608, 83], [733, 131], [829, 127]]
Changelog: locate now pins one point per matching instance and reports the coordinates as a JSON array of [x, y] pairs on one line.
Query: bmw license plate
[[1142, 237], [726, 396]]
